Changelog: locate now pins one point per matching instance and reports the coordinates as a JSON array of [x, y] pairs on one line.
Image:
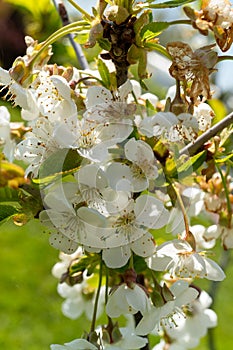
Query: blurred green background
[[30, 308]]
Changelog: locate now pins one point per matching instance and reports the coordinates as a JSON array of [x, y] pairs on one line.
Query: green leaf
[[104, 44], [219, 109], [6, 212], [8, 194], [86, 262], [60, 163], [139, 264], [151, 30], [169, 4], [157, 47], [192, 164], [224, 159], [171, 167], [104, 73]]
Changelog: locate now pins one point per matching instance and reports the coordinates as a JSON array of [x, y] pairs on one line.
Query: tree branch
[[192, 148], [65, 20]]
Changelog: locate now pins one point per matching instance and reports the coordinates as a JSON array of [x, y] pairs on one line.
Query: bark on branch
[[192, 148]]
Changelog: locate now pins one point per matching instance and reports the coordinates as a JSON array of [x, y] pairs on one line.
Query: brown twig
[[192, 148]]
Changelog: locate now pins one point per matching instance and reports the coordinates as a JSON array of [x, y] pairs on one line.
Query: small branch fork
[[192, 148]]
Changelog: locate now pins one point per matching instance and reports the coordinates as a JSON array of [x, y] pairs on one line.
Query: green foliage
[[168, 4], [150, 30], [88, 262], [8, 203], [8, 194], [191, 165], [60, 163], [108, 79], [6, 212]]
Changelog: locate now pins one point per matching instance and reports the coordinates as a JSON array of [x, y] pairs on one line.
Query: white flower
[[61, 267], [91, 183], [204, 114], [118, 256], [79, 225], [129, 341], [216, 231], [164, 315], [199, 232], [17, 94], [80, 299], [158, 124], [133, 221], [162, 345], [104, 106], [52, 97], [186, 128], [221, 12], [136, 176], [43, 141], [179, 258], [77, 344], [198, 319], [127, 300], [94, 140], [5, 137]]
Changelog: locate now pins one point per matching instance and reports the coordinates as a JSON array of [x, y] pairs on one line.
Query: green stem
[[70, 28], [131, 265], [97, 296], [182, 207], [180, 21], [61, 9], [106, 284], [229, 208], [81, 10], [224, 58]]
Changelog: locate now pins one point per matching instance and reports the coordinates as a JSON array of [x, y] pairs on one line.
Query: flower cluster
[[114, 182]]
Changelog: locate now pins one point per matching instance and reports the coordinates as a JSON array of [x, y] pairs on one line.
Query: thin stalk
[[77, 48], [81, 10], [182, 207], [131, 265], [73, 27], [97, 296], [229, 208], [192, 148], [179, 21], [106, 284], [224, 58]]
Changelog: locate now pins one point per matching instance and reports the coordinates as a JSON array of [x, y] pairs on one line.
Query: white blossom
[[45, 140], [199, 318], [134, 177], [216, 231], [179, 258], [157, 125], [129, 341], [80, 299], [221, 12], [164, 315], [5, 134], [77, 344], [127, 300]]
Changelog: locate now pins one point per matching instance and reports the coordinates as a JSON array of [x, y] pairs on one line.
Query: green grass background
[[30, 312]]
